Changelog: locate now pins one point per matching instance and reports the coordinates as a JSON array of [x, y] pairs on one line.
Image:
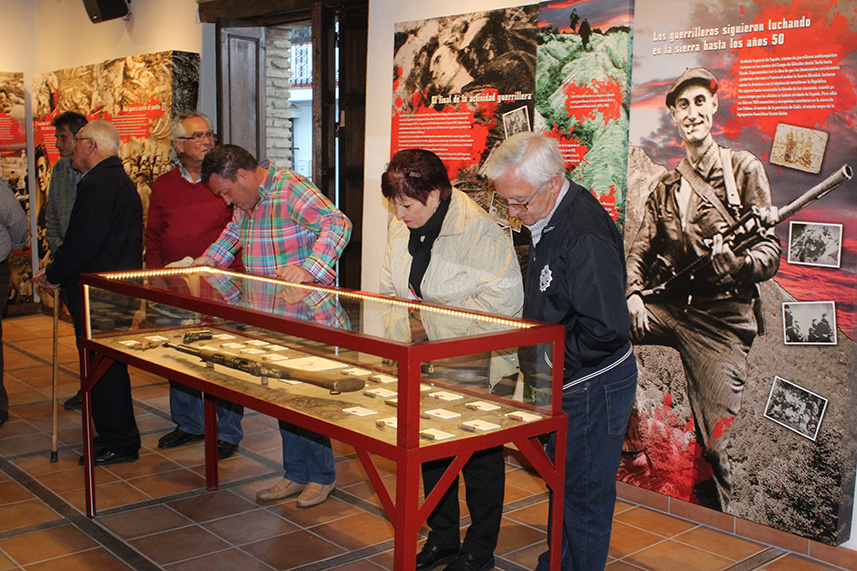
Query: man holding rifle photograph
[[713, 318]]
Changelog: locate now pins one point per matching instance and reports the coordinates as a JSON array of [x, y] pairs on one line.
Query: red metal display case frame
[[405, 512]]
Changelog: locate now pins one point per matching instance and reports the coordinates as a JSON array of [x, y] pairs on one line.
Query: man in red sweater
[[185, 217]]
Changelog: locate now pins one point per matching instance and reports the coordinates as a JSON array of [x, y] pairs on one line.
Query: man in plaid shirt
[[286, 228]]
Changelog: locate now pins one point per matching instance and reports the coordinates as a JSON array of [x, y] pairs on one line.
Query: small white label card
[[478, 426], [435, 434], [359, 411], [441, 413], [314, 364], [481, 405], [391, 422], [274, 357], [257, 342], [130, 343], [276, 348], [156, 338], [424, 388], [223, 336], [443, 395], [523, 416], [289, 381], [252, 351], [382, 378], [233, 345], [383, 393], [392, 402], [356, 371]]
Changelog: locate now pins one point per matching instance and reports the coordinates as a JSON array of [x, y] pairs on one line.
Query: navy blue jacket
[[576, 277]]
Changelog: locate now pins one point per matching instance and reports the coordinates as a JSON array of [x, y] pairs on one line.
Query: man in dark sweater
[[184, 219], [61, 193], [105, 233]]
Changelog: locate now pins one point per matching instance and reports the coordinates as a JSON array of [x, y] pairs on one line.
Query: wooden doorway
[[338, 27]]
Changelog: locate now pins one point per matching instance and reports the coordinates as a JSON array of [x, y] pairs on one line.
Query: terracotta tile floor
[[156, 513]]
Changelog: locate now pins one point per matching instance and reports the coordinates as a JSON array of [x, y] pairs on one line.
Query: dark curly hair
[[415, 173], [225, 160]]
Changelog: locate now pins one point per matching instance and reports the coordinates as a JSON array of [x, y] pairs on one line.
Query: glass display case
[[405, 380]]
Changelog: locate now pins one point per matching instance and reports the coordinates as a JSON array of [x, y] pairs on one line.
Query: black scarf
[[420, 244]]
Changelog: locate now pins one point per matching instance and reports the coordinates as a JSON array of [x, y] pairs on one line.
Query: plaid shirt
[[293, 223], [316, 306]]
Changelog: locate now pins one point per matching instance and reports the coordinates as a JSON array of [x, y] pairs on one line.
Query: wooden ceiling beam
[[211, 10], [263, 12]]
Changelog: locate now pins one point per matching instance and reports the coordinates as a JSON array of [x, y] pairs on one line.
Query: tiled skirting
[[839, 556]]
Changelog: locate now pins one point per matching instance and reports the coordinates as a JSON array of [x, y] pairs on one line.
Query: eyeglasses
[[521, 206], [199, 137]]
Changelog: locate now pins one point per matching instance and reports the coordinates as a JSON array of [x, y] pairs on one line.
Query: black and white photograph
[[814, 244], [516, 121], [799, 148], [809, 323], [795, 407]]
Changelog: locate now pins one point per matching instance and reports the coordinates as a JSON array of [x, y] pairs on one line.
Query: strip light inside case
[[345, 294]]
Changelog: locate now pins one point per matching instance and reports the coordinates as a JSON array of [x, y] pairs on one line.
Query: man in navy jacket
[[575, 277]]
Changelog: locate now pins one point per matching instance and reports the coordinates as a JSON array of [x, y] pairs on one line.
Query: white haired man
[[575, 277], [105, 233]]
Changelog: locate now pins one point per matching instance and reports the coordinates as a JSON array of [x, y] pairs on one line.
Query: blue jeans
[[307, 456], [186, 410], [598, 411]]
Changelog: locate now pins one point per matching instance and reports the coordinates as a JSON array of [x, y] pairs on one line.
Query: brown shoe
[[282, 489], [314, 494]]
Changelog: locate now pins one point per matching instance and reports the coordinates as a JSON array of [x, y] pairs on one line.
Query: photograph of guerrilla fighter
[[815, 244], [712, 319]]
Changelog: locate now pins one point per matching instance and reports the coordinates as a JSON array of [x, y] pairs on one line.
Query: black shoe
[[74, 402], [178, 437], [431, 556], [225, 449], [467, 562], [104, 457], [4, 416]]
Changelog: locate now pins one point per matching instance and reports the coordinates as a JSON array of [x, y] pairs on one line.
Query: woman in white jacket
[[444, 248]]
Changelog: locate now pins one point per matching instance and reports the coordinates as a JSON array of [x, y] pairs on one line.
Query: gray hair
[[104, 134], [535, 157], [177, 130]]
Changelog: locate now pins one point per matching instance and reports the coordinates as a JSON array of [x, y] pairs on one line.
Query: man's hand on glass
[[295, 274]]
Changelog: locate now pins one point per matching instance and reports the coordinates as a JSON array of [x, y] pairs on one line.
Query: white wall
[[17, 30], [67, 38]]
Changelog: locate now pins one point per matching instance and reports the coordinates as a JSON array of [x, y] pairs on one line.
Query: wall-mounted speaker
[[103, 10]]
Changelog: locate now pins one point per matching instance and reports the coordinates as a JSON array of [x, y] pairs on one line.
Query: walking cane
[[55, 378]]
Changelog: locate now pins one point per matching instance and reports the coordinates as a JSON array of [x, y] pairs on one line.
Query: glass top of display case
[[390, 318]]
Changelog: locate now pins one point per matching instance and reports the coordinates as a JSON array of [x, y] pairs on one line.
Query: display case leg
[[407, 521], [92, 368], [557, 500], [210, 414]]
